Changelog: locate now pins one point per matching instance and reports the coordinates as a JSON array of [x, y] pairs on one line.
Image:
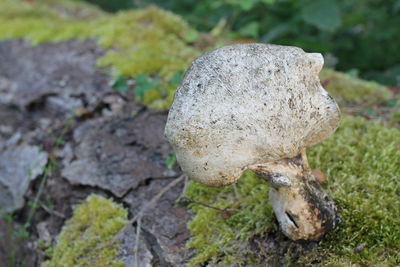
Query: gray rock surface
[[59, 75], [117, 148], [164, 225], [126, 252], [119, 153], [20, 163]]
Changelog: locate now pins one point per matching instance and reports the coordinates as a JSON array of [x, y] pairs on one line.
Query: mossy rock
[[367, 98], [150, 41], [93, 224], [146, 41], [362, 163], [348, 90]]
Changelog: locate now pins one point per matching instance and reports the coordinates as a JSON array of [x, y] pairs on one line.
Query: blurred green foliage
[[112, 6], [357, 34]]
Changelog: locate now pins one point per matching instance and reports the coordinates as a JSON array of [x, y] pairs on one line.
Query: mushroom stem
[[304, 159], [304, 211]]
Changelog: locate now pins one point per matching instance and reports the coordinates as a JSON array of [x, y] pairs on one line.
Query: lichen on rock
[[94, 223]]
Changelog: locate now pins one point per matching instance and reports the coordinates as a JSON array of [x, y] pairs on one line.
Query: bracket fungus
[[258, 107]]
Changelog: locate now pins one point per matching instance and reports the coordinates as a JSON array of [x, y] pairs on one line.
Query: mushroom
[[258, 107]]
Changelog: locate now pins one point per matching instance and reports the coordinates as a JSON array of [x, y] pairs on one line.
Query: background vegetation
[[356, 36]]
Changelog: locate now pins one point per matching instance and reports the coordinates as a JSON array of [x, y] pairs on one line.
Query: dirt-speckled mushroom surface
[[248, 104]]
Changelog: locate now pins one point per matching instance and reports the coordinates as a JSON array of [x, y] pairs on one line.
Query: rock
[[61, 76], [43, 232], [119, 147], [12, 246], [65, 153], [120, 152], [115, 105], [164, 224], [127, 247], [20, 163], [11, 121]]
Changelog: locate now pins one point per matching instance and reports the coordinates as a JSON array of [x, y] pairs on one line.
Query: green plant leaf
[[143, 84], [391, 103], [267, 1], [250, 29], [276, 32], [176, 78], [246, 5], [353, 73], [170, 161], [324, 14], [120, 84]]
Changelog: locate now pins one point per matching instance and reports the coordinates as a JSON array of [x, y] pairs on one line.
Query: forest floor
[[111, 146], [74, 155], [111, 136]]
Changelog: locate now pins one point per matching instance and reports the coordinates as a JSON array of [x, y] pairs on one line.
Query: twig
[[156, 198], [145, 207], [202, 204], [185, 186], [226, 213], [50, 211], [183, 193], [139, 222]]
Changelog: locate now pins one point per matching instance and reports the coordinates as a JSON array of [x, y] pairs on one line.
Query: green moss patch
[[94, 223], [366, 98], [150, 42], [147, 41], [223, 235], [362, 163], [348, 90]]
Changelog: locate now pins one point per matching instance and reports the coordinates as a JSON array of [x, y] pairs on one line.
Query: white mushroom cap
[[248, 104]]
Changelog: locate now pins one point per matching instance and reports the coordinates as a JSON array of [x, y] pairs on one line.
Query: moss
[[349, 90], [215, 234], [150, 41], [94, 223], [362, 163], [144, 41]]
